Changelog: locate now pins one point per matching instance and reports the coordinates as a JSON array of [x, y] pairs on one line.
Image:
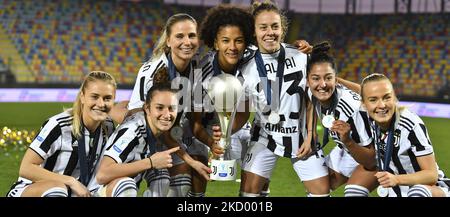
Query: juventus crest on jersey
[[285, 137]]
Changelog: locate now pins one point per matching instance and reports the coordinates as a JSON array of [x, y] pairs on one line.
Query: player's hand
[[163, 159], [342, 128], [79, 189], [201, 168], [303, 46], [217, 133], [305, 148], [386, 179], [217, 150]]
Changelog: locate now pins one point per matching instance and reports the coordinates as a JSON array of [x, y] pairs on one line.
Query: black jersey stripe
[[123, 156], [415, 141], [344, 109], [287, 143], [118, 135], [51, 161], [413, 160], [159, 65], [271, 144], [50, 139], [354, 131], [411, 123], [73, 162], [345, 103]]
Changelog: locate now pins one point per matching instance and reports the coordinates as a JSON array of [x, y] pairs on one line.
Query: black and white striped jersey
[[285, 137], [144, 80], [410, 141], [58, 147], [203, 77], [128, 143], [346, 108]]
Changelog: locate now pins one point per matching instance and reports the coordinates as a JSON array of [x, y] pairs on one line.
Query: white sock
[[355, 191], [180, 185], [125, 187], [55, 192]]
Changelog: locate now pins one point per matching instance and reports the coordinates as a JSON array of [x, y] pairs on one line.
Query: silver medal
[[382, 191], [327, 121], [176, 132], [274, 118]]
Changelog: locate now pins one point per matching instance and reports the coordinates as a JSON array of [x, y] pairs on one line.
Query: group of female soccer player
[[165, 140]]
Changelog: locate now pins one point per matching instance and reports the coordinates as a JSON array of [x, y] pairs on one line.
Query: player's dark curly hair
[[321, 54], [226, 15]]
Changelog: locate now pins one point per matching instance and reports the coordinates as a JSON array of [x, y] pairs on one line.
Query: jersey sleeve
[[121, 143], [48, 140], [143, 83], [420, 141], [361, 132]]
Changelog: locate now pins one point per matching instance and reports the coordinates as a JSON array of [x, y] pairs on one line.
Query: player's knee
[[125, 187], [355, 191], [180, 185], [56, 192], [419, 191]]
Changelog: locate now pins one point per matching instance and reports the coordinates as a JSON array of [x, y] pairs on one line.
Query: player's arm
[[201, 134], [355, 87], [197, 165], [241, 117], [428, 174], [30, 169], [110, 170], [305, 148], [363, 155], [303, 46]]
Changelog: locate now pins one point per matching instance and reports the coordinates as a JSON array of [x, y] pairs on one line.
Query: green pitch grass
[[285, 182]]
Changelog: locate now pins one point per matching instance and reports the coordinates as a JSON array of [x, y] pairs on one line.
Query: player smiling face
[[162, 111], [268, 31], [183, 41], [97, 99], [230, 46], [380, 101], [322, 81]]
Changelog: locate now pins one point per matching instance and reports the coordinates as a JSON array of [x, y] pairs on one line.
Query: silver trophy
[[225, 91]]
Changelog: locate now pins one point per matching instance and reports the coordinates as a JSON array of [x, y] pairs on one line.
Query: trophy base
[[223, 170]]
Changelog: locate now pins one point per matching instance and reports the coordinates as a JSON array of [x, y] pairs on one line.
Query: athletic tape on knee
[[55, 192], [180, 185], [355, 191], [419, 191], [125, 188]]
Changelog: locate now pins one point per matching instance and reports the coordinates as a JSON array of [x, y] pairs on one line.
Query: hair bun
[[322, 47]]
